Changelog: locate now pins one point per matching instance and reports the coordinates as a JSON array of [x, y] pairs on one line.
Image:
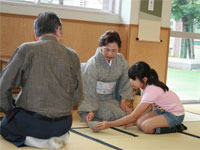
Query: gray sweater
[[49, 77]]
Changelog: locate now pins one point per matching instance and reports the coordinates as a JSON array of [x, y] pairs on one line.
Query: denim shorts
[[172, 120]]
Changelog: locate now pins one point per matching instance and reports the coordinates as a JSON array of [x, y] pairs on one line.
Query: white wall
[[126, 11], [166, 13]]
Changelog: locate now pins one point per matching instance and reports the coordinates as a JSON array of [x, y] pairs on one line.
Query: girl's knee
[[138, 122], [146, 128]]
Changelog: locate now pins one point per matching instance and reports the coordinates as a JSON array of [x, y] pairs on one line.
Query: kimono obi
[[105, 87]]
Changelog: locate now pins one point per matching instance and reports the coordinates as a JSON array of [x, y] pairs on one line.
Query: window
[[184, 51], [97, 4], [109, 6], [31, 1]]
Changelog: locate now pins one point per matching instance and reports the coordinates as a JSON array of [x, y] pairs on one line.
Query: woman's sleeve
[[125, 89], [90, 100]]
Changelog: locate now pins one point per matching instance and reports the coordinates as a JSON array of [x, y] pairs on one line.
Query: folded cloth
[[165, 130]]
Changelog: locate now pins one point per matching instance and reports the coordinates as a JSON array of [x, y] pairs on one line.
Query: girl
[[167, 113]]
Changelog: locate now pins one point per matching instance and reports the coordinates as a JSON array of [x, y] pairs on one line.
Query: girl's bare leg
[[150, 121]]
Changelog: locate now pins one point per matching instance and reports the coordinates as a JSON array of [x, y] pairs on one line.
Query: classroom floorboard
[[82, 138]]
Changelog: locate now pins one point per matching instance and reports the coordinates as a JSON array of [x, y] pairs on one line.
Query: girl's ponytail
[[153, 75], [153, 79]]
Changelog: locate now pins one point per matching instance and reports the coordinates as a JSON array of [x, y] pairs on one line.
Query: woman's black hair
[[110, 37], [141, 69]]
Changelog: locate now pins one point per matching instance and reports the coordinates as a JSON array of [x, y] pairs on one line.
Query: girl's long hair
[[141, 69]]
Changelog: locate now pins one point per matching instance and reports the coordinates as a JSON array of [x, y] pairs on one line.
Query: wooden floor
[[82, 138]]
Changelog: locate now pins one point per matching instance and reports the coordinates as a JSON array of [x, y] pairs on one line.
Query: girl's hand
[[124, 107], [89, 117], [101, 126], [128, 125]]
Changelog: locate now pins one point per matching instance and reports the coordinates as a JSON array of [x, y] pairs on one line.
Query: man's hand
[[124, 107], [89, 117]]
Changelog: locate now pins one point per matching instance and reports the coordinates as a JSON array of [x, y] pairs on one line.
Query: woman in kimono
[[106, 84]]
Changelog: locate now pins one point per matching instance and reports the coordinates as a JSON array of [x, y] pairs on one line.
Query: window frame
[[112, 11], [188, 35], [71, 13]]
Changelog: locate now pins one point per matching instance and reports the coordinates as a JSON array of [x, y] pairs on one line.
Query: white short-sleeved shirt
[[167, 101]]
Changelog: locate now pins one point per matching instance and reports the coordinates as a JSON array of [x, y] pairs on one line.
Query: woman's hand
[[124, 107], [102, 126], [89, 117]]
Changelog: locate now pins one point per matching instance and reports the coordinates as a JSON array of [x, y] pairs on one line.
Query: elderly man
[[50, 80]]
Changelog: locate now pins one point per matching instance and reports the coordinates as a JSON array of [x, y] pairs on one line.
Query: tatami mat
[[189, 116], [194, 108], [85, 139], [143, 141], [193, 128]]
